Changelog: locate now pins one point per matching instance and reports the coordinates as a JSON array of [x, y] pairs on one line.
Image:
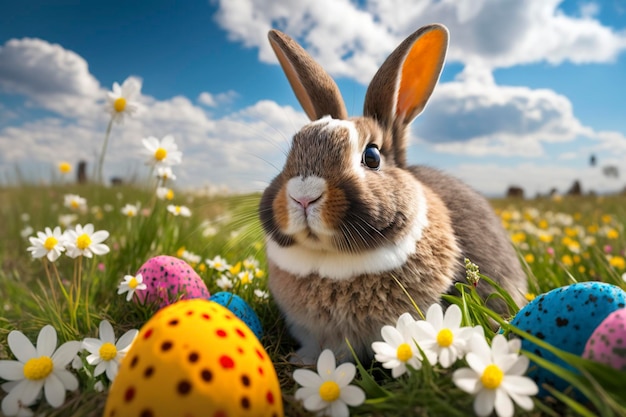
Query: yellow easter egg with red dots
[[195, 358]]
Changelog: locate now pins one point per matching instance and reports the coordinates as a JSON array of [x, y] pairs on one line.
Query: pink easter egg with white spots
[[607, 343], [169, 279]]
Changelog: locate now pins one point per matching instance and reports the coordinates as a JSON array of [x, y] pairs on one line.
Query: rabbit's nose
[[305, 201]]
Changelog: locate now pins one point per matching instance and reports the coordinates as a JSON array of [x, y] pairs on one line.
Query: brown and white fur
[[338, 232]]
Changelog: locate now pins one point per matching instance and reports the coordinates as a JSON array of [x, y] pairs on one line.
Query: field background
[[561, 240]]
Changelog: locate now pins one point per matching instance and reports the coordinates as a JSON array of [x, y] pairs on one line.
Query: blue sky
[[531, 89]]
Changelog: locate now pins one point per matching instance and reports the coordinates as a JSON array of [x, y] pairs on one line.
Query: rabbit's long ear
[[403, 84], [315, 89]]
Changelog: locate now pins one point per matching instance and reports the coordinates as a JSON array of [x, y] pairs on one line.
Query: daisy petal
[[46, 341], [21, 347], [523, 401], [476, 362], [344, 374], [106, 333], [92, 345], [326, 364], [307, 378], [499, 346], [339, 409], [11, 370], [503, 404], [315, 403], [305, 392], [54, 391], [66, 353], [520, 366], [520, 385], [126, 339], [484, 402], [392, 336], [434, 316], [69, 380], [452, 318], [467, 380], [28, 390]]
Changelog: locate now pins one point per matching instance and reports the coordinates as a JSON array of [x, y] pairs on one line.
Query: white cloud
[[352, 40], [213, 100], [475, 116], [53, 77]]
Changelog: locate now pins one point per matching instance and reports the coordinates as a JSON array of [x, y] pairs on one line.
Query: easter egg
[[241, 309], [194, 358], [565, 318], [169, 279], [607, 343]]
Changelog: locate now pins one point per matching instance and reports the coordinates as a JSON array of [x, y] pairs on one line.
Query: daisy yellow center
[[83, 241], [177, 209], [50, 243], [160, 154], [445, 337], [404, 352], [245, 279], [492, 376], [38, 368], [74, 204], [119, 104], [169, 195], [329, 391], [132, 284], [65, 167], [108, 351], [217, 265]]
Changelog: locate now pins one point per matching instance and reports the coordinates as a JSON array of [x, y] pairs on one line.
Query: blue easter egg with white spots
[[241, 309], [565, 318]]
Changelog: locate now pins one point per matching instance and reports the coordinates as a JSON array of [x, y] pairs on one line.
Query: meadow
[[560, 241], [70, 253]]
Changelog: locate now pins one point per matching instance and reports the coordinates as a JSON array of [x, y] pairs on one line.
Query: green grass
[[561, 242]]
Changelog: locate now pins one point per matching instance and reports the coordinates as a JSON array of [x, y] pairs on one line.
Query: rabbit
[[347, 217]]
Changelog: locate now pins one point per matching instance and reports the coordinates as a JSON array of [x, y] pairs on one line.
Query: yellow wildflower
[[567, 260], [529, 296], [543, 224], [235, 269], [529, 258], [545, 237], [617, 262], [65, 167], [606, 218], [518, 237], [612, 234]]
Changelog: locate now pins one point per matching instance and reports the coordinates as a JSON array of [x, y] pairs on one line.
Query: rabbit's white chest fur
[[304, 260]]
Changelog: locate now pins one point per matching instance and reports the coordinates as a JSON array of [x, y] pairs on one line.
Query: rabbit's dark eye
[[371, 157]]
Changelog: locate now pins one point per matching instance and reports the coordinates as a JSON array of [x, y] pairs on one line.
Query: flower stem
[[103, 151]]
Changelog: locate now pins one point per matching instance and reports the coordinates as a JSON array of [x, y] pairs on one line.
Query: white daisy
[[179, 210], [224, 283], [263, 295], [48, 243], [36, 368], [164, 193], [66, 220], [105, 353], [121, 100], [75, 202], [218, 263], [26, 231], [130, 285], [191, 257], [165, 173], [443, 335], [399, 348], [130, 210], [327, 392], [83, 241], [162, 152], [98, 386], [496, 377]]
